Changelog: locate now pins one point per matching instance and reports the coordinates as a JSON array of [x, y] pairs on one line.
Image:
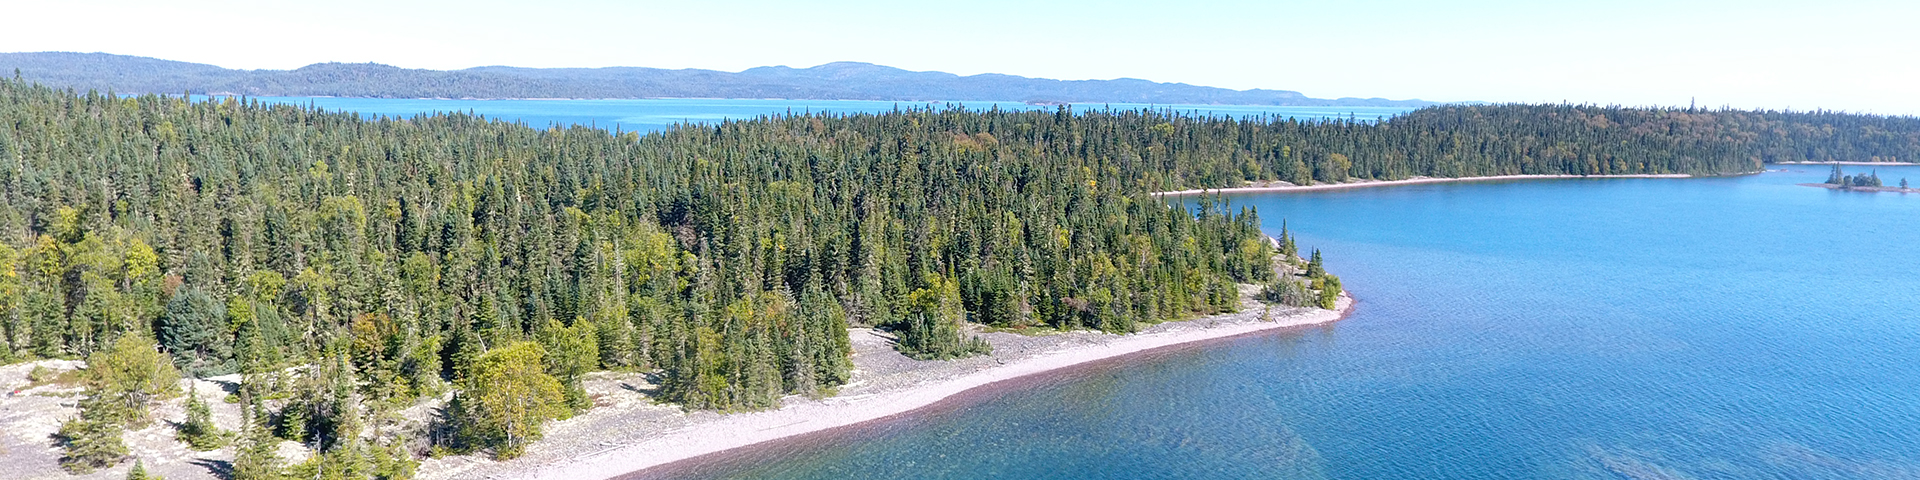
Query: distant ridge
[[833, 81]]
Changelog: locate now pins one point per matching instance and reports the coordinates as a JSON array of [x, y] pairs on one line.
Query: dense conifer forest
[[347, 267]]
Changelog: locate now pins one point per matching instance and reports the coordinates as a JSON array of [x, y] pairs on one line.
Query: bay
[[1714, 328]]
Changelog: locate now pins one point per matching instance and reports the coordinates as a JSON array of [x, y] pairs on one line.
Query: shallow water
[[1719, 328], [656, 114]]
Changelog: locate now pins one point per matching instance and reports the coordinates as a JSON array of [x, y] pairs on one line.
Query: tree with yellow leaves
[[506, 399]]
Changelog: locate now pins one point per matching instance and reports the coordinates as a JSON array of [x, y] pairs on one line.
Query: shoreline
[[1389, 183], [1896, 164], [875, 394], [968, 397]]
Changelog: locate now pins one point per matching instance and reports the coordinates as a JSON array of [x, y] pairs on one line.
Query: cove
[[1709, 328]]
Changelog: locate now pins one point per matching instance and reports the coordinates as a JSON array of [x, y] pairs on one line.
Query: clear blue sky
[[1858, 55]]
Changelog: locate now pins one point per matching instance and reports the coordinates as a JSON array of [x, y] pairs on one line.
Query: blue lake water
[[655, 114], [1719, 328]]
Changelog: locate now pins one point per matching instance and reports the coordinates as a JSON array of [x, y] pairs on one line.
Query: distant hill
[[837, 81]]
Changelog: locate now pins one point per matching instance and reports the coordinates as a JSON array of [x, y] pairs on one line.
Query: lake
[[1716, 328], [656, 114]]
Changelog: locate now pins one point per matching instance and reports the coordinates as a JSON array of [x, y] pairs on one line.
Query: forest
[[348, 267]]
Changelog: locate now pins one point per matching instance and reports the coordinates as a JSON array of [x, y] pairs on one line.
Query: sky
[[1852, 55]]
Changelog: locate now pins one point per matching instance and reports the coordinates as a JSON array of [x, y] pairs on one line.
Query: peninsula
[[1282, 186]]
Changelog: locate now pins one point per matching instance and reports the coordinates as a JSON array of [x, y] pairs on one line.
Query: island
[[226, 287], [1869, 182]]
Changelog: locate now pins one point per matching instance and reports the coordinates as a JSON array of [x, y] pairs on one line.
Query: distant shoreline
[[552, 99], [1849, 163], [887, 391], [1284, 187], [1006, 102]]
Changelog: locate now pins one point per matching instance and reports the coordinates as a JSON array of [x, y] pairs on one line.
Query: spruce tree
[[1315, 269], [139, 472], [198, 430], [92, 440], [256, 455]]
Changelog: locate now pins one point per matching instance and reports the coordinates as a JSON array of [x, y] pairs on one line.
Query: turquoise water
[[1721, 328], [655, 114]]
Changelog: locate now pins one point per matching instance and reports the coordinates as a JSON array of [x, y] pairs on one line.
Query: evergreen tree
[[1289, 251], [139, 472], [256, 454], [198, 431], [194, 330], [92, 441], [255, 458]]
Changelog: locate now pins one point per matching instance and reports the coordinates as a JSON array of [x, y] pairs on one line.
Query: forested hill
[[833, 81], [400, 258]]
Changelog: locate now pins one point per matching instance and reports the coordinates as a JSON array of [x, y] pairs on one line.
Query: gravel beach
[[630, 434]]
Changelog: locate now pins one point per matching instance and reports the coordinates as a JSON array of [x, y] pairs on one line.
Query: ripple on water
[[1726, 328]]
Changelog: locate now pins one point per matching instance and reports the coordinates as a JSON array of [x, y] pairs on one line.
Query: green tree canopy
[[508, 398]]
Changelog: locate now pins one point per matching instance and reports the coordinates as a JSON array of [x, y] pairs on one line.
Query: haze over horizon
[[1840, 55]]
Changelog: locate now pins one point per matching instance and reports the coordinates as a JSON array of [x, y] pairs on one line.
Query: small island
[[1870, 182]]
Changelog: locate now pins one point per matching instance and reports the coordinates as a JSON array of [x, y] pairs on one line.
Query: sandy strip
[[746, 429], [1389, 183]]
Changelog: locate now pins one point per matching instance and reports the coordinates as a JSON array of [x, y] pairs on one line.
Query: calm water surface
[[655, 114], [1724, 328]]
